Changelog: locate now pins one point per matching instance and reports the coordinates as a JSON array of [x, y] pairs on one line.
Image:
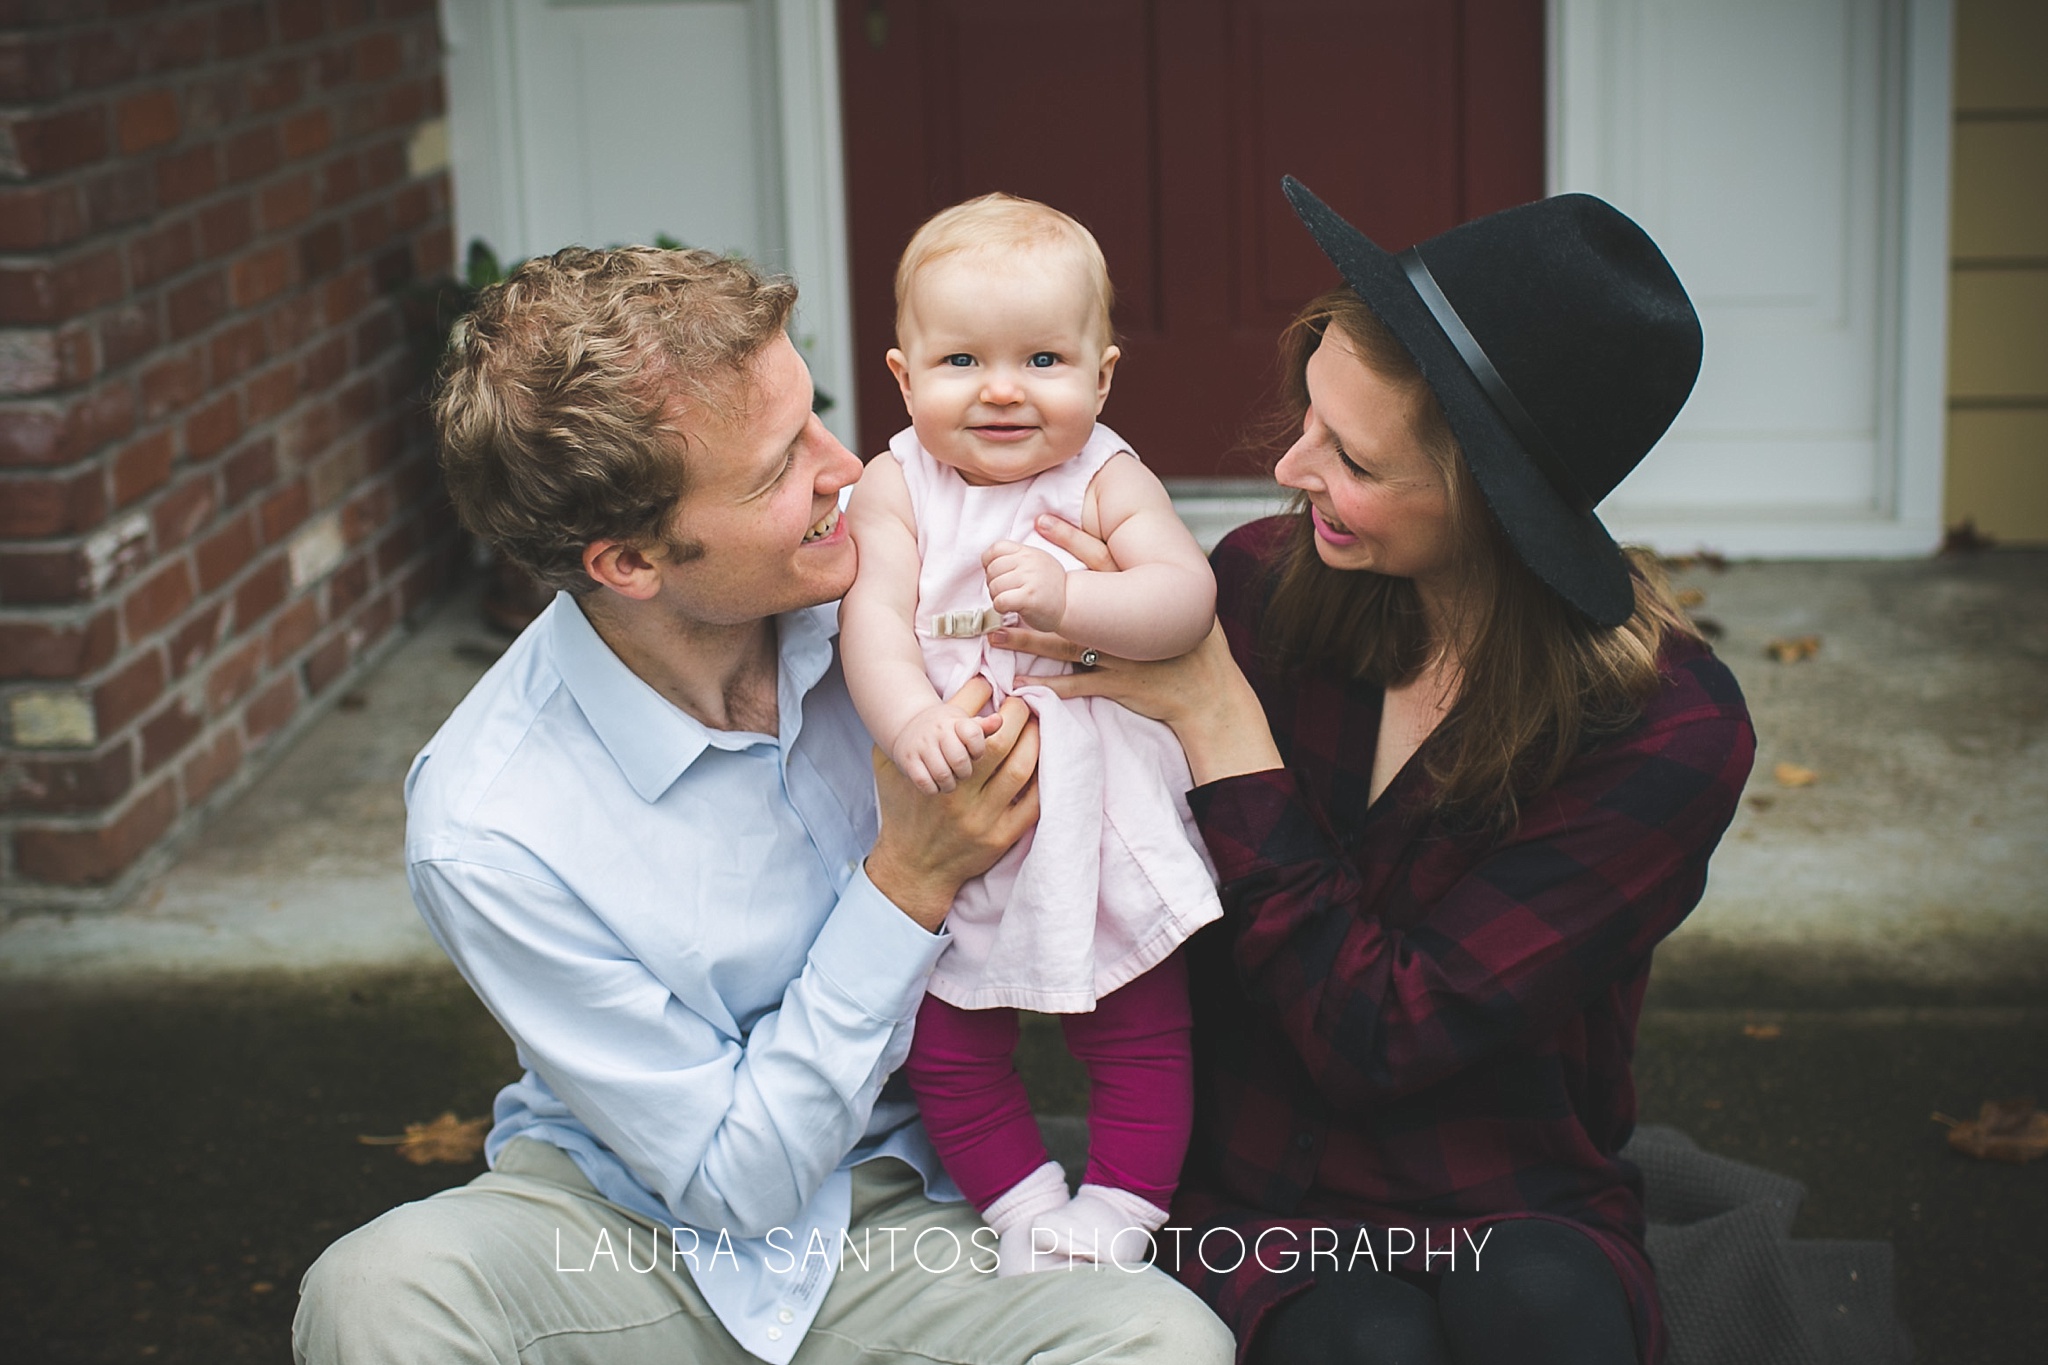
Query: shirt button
[[774, 1334], [786, 1315], [1304, 1140]]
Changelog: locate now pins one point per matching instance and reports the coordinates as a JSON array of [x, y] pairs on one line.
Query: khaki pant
[[469, 1275]]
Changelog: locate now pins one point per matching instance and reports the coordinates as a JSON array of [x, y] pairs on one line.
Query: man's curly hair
[[564, 394]]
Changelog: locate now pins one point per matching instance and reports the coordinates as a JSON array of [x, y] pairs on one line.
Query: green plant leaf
[[481, 269]]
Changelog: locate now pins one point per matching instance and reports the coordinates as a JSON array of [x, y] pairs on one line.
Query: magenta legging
[[1140, 1100]]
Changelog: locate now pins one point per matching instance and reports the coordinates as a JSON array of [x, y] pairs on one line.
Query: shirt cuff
[[1255, 821], [874, 954]]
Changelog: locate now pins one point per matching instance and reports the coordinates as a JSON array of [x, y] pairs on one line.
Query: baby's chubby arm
[[932, 743], [1158, 606]]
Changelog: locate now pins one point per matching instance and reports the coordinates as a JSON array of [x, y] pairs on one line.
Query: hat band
[[1496, 389]]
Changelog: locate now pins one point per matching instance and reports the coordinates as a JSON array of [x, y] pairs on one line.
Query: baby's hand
[[1028, 582], [938, 747]]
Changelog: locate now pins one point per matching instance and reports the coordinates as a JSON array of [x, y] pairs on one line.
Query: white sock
[[1100, 1226], [1020, 1210], [1110, 1226]]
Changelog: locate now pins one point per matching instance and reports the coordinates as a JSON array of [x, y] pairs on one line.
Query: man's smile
[[825, 528]]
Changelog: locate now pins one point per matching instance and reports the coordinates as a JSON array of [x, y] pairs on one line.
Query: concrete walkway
[[1917, 858], [188, 1078], [305, 873]]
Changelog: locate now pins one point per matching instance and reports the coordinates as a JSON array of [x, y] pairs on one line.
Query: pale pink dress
[[1115, 877]]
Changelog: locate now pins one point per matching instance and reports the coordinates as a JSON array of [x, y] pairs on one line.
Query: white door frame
[[1906, 519], [796, 59], [814, 200]]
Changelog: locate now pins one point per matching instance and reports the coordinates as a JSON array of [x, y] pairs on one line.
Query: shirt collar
[[651, 739]]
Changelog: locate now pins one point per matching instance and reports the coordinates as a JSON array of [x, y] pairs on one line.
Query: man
[[649, 840]]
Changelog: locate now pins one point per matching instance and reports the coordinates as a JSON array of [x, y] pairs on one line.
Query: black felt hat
[[1561, 346]]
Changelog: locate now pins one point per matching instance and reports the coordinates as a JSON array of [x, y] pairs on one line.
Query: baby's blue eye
[[1044, 360], [959, 358]]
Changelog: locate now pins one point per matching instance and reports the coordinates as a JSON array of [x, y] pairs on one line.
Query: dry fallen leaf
[[1792, 775], [1791, 649], [1964, 538], [1691, 597], [1763, 802], [1762, 1031], [447, 1138], [2004, 1130]]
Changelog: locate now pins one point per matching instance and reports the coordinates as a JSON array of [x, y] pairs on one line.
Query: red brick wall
[[216, 487]]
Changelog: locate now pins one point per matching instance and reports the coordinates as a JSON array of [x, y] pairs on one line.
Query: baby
[[1004, 359]]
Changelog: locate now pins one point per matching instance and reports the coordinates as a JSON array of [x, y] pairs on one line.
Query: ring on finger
[[1090, 658]]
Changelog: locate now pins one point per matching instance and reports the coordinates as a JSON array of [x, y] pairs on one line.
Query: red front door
[[1165, 126]]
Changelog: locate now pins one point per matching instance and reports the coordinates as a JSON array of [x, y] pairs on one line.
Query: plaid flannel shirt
[[1410, 1031]]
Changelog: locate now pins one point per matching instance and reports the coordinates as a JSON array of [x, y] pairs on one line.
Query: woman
[[1461, 762]]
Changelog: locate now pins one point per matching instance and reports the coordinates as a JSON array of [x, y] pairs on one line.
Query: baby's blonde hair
[[1005, 222]]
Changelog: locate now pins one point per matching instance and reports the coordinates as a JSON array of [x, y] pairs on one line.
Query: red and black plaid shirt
[[1404, 1027]]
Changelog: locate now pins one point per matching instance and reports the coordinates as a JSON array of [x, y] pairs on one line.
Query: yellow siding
[[1997, 472], [1994, 471], [2001, 203], [1999, 344], [2000, 46]]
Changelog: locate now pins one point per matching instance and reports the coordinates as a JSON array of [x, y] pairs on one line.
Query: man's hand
[[936, 749], [1026, 581], [929, 845]]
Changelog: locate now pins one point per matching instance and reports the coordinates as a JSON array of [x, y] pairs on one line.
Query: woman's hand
[[930, 845], [1202, 695]]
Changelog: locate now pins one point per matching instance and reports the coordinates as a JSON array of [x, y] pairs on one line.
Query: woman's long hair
[[1537, 680]]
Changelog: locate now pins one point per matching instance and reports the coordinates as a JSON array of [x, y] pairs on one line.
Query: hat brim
[[1570, 551]]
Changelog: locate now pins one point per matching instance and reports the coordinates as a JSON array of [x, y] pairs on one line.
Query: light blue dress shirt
[[672, 923]]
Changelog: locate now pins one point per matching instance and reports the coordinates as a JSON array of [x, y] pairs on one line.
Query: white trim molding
[[814, 201]]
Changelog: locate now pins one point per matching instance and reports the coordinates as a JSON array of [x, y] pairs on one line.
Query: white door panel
[[1766, 145], [642, 119], [597, 122]]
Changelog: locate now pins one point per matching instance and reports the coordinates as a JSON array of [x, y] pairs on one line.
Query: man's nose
[[839, 467]]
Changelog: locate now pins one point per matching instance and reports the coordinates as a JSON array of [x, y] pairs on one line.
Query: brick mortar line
[[233, 716], [378, 369], [157, 292], [382, 370], [191, 210], [367, 445], [190, 690], [129, 371], [20, 897], [284, 49], [169, 423]]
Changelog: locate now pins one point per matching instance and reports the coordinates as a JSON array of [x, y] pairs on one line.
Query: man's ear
[[623, 568], [1110, 355], [899, 365]]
